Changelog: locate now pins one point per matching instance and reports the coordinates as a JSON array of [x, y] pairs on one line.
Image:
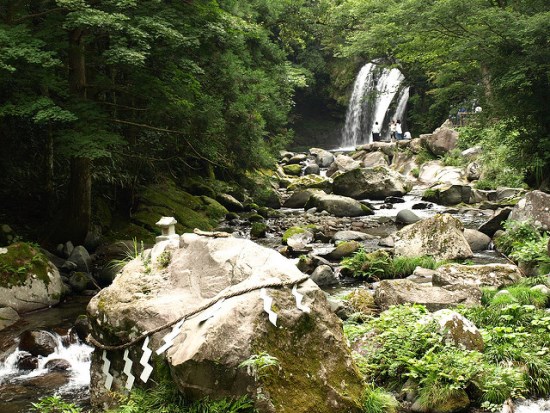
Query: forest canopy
[[99, 97]]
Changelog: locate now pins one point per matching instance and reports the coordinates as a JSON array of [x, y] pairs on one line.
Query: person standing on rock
[[392, 131], [375, 132], [398, 131]]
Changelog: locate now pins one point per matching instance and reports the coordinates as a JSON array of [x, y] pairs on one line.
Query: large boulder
[[489, 275], [37, 342], [535, 207], [313, 372], [375, 159], [440, 236], [395, 292], [28, 281], [373, 183], [81, 258], [343, 163], [443, 140], [337, 205], [322, 157]]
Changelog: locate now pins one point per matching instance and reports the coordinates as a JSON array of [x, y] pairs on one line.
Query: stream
[[20, 388]]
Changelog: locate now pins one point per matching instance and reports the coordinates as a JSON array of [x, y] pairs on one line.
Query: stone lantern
[[168, 228]]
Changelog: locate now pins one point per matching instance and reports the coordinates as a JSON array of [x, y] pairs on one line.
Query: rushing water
[[374, 91], [20, 388]]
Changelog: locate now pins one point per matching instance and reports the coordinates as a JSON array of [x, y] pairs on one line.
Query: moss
[[431, 195], [258, 230], [190, 211], [20, 262], [298, 388], [293, 169], [311, 182], [292, 231]]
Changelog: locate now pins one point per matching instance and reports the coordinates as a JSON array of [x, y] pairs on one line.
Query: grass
[[378, 400]]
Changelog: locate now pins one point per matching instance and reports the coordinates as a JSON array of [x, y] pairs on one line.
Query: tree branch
[[142, 125], [32, 16]]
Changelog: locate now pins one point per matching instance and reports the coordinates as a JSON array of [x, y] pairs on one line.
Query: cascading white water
[[374, 91], [77, 354]]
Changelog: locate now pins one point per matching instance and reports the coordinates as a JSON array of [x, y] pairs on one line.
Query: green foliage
[[454, 158], [20, 262], [164, 259], [166, 398], [260, 365], [424, 156], [54, 404], [381, 265], [524, 243], [377, 400]]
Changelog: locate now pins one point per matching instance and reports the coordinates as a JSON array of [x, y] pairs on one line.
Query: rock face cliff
[[313, 370]]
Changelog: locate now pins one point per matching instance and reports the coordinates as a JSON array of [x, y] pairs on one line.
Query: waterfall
[[374, 91]]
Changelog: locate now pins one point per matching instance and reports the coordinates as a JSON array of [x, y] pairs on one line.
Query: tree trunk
[[80, 188]]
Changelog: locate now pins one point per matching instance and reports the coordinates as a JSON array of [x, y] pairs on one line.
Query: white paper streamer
[[106, 366], [268, 301], [128, 370], [299, 298], [147, 368], [170, 337]]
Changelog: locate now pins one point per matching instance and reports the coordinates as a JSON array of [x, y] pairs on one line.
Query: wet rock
[[300, 241], [394, 292], [441, 237], [8, 317], [393, 200], [82, 327], [58, 365], [535, 207], [322, 157], [37, 342], [372, 183], [27, 362], [489, 275], [477, 240], [339, 206], [422, 205], [406, 217], [323, 275], [67, 249], [495, 222]]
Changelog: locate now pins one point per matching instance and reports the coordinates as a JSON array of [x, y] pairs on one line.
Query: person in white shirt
[[375, 132], [398, 131]]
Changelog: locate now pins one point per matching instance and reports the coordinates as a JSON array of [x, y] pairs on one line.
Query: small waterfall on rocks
[[374, 91]]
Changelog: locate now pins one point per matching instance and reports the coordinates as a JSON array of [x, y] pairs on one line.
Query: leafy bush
[[425, 156], [524, 243], [54, 404], [377, 400], [454, 158], [380, 265]]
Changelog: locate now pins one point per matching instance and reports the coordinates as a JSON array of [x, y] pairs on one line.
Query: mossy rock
[[20, 261], [311, 182], [299, 230], [345, 249], [258, 230], [362, 301], [293, 169], [190, 211]]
